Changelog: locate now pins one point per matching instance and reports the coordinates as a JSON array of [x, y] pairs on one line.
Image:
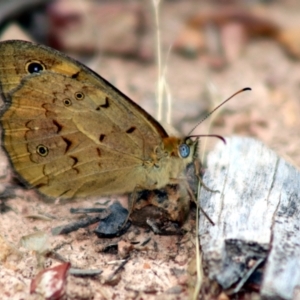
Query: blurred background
[[210, 49]]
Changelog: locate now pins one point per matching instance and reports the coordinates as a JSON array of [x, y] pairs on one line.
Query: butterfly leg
[[198, 205], [197, 173], [191, 194]]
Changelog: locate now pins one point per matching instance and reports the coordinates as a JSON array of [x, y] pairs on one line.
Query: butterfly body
[[70, 134]]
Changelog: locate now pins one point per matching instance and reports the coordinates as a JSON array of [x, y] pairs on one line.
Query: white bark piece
[[257, 216]]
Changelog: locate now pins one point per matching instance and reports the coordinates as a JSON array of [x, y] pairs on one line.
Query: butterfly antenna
[[209, 135], [238, 92]]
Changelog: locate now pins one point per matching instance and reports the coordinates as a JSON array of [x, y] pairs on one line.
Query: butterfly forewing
[[66, 130]]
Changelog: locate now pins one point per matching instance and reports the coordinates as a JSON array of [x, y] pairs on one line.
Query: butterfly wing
[[67, 131]]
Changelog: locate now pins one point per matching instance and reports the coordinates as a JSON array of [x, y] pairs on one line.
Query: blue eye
[[184, 150]]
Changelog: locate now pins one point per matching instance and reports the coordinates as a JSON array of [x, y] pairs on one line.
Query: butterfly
[[70, 134]]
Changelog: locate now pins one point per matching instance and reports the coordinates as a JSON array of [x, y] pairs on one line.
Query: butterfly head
[[184, 148]]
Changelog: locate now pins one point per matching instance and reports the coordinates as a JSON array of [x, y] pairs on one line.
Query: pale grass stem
[[199, 281], [163, 90], [159, 63]]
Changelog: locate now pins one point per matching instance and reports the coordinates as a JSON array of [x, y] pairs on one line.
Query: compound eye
[[184, 150]]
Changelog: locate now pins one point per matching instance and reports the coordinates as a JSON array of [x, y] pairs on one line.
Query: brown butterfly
[[70, 134]]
